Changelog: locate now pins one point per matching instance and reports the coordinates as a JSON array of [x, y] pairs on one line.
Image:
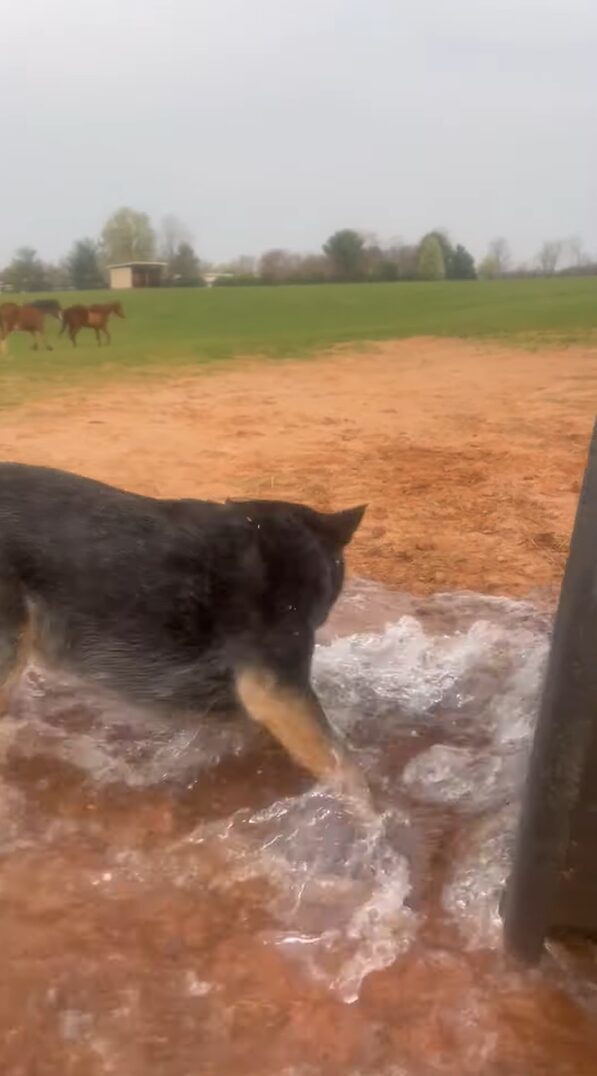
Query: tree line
[[128, 235], [348, 255]]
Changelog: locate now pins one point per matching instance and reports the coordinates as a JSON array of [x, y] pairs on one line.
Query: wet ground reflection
[[180, 901]]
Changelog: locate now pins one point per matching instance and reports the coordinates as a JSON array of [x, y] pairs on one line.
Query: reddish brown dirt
[[470, 458], [469, 455]]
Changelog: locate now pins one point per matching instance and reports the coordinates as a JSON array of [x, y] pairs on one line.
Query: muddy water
[[179, 901]]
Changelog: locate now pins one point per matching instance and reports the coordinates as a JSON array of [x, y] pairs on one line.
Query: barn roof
[[137, 265]]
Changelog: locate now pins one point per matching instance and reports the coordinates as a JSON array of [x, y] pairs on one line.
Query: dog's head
[[302, 553], [335, 531]]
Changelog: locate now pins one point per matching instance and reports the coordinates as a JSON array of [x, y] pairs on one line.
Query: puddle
[[179, 900]]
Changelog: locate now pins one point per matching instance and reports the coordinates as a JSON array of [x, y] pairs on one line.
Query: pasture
[[166, 329]]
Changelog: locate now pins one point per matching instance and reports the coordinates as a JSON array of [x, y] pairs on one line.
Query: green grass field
[[169, 328]]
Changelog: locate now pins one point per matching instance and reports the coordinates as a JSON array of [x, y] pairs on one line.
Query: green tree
[[82, 264], [127, 236], [463, 264], [458, 263], [26, 271], [184, 268], [489, 268], [430, 261], [346, 253], [447, 250]]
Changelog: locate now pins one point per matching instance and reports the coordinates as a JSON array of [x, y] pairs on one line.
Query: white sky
[[267, 123]]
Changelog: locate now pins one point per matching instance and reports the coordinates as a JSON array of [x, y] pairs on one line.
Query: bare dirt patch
[[468, 454]]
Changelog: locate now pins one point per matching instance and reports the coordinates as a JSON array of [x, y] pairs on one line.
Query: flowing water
[[178, 900]]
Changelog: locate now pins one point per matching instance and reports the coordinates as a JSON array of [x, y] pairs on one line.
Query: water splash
[[338, 886], [440, 703]]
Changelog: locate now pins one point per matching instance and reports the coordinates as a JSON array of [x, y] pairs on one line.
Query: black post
[[563, 750]]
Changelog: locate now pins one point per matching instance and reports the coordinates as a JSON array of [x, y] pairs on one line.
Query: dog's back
[[149, 594]]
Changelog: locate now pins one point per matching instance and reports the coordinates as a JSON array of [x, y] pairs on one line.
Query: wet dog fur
[[181, 605]]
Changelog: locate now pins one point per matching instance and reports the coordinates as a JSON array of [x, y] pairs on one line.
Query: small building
[[213, 275], [136, 275]]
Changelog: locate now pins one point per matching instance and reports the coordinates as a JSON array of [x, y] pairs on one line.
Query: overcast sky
[[268, 123]]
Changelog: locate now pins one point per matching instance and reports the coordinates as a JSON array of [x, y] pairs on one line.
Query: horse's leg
[[72, 332], [98, 337], [107, 332], [35, 334], [40, 334]]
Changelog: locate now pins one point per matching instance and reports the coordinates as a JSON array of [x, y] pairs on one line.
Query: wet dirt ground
[[145, 929], [469, 455]]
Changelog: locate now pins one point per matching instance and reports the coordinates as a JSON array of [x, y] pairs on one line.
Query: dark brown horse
[[26, 319], [49, 306], [95, 317]]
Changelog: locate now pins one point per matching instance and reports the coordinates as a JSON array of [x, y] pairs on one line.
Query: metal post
[[564, 741]]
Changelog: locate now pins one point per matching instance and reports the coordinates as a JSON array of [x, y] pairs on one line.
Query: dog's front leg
[[295, 717]]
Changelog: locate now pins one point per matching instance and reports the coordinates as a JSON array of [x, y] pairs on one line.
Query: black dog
[[185, 605]]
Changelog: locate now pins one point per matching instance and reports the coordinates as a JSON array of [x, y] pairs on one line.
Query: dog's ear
[[341, 526]]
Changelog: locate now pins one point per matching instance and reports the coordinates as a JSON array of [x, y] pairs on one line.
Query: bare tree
[[574, 252], [245, 265], [549, 255], [498, 254], [173, 232], [277, 265], [312, 267], [405, 257]]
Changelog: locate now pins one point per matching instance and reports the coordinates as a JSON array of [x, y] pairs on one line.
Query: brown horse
[[95, 317], [26, 319]]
